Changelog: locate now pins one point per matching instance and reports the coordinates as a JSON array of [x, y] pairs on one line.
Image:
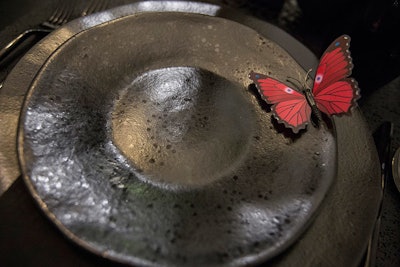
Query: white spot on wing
[[289, 90], [318, 78]]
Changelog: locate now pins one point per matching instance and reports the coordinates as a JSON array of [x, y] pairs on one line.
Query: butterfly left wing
[[333, 91], [288, 106]]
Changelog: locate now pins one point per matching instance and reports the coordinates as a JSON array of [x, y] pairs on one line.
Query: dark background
[[373, 26]]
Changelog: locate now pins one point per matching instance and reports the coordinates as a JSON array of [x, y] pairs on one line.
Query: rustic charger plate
[[143, 142]]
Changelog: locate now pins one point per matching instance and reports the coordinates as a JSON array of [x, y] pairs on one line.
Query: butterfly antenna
[[307, 77], [292, 82]]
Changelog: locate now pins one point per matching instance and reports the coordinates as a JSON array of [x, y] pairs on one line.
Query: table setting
[[136, 133]]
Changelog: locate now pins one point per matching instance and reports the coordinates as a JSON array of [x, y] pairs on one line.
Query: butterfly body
[[313, 104], [333, 92]]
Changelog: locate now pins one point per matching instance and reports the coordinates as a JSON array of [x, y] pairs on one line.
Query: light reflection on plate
[[176, 161]]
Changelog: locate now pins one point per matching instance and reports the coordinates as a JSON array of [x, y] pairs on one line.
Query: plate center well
[[182, 125]]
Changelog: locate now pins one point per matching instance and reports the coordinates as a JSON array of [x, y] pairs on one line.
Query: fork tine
[[88, 8], [63, 16], [94, 6], [53, 18], [67, 12], [103, 5], [60, 16], [64, 12]]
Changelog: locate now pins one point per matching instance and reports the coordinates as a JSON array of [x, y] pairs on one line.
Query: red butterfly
[[333, 92]]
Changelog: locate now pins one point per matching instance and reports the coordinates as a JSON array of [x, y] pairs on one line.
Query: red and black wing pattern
[[289, 106], [338, 97], [333, 91]]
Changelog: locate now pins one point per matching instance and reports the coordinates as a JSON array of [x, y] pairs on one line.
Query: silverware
[[94, 6], [63, 14], [382, 137], [396, 168]]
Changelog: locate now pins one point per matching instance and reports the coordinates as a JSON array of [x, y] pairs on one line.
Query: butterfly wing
[[337, 98], [333, 91], [288, 105]]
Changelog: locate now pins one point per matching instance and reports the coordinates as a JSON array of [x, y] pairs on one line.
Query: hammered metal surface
[[156, 152]]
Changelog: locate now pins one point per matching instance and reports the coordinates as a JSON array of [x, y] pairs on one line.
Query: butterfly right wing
[[288, 105], [338, 97], [333, 91], [336, 64]]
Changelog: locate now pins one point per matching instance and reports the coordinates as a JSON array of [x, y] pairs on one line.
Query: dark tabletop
[[373, 26]]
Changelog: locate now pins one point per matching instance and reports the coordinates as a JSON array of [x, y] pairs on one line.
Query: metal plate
[[143, 141], [339, 233]]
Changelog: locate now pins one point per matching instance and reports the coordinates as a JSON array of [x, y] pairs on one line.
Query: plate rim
[[124, 257]]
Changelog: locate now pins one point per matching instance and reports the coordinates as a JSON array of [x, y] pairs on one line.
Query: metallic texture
[[150, 150], [336, 236]]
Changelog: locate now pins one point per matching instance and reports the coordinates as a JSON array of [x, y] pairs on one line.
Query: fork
[[60, 16], [382, 137]]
